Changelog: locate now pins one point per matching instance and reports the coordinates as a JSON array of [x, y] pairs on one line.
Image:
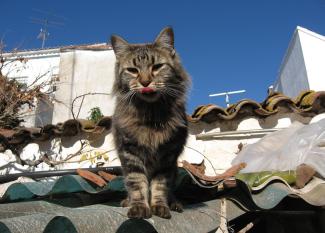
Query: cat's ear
[[165, 40], [119, 45]]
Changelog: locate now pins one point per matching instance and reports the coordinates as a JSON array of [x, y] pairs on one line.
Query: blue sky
[[224, 45]]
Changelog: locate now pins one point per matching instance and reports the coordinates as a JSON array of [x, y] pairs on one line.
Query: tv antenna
[[46, 22], [227, 94]]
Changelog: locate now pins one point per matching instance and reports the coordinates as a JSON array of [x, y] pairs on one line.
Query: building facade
[[302, 67], [85, 70]]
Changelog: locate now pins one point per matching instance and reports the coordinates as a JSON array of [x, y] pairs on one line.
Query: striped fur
[[149, 128]]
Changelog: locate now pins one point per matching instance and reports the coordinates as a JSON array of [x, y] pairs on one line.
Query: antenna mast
[[227, 95], [46, 23], [44, 34]]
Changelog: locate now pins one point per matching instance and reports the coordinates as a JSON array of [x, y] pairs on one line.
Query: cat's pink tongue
[[146, 90]]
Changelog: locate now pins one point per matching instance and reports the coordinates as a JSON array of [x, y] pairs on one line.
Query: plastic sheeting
[[286, 149]]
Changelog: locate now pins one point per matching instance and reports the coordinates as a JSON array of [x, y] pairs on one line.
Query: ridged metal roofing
[[72, 204], [42, 216], [60, 211], [265, 196]]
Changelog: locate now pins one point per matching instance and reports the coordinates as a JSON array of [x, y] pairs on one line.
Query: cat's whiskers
[[134, 87], [125, 96], [172, 91], [130, 99], [161, 84], [126, 99], [173, 85]]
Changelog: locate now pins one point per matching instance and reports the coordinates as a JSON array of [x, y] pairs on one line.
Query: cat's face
[[148, 71]]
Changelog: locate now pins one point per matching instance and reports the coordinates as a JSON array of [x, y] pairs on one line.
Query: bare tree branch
[[14, 96], [83, 96]]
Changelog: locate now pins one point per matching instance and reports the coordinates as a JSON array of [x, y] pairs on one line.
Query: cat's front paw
[[139, 211], [176, 206], [161, 211]]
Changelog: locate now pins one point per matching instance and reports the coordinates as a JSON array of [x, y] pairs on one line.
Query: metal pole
[[227, 99], [43, 39], [42, 174]]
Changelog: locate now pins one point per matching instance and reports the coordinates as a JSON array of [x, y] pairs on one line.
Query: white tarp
[[286, 149]]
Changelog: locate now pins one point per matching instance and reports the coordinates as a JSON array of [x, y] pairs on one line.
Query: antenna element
[[227, 95], [46, 23]]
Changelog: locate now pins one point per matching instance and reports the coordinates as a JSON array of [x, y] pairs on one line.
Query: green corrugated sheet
[[41, 216], [72, 204], [65, 184], [256, 179]]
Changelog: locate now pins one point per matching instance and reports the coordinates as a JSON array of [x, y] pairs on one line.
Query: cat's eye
[[132, 70], [156, 67]]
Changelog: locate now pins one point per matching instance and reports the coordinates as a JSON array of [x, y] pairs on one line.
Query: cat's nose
[[145, 82]]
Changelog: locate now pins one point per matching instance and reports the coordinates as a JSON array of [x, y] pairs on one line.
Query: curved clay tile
[[301, 96], [241, 109], [208, 113], [308, 100], [263, 112], [70, 128], [87, 125], [48, 131], [272, 103], [105, 122], [318, 102]]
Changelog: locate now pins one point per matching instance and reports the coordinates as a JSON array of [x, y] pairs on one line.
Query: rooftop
[[57, 49], [67, 201]]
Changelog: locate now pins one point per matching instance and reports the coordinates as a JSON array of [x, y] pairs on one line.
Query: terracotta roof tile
[[308, 103], [21, 136]]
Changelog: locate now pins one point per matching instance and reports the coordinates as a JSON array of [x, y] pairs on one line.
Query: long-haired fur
[[149, 122]]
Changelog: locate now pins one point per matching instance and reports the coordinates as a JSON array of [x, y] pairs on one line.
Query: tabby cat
[[149, 122]]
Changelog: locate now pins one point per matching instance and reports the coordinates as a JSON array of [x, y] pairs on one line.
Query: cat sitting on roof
[[149, 122]]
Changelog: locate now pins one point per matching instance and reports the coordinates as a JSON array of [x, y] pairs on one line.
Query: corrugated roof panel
[[41, 216]]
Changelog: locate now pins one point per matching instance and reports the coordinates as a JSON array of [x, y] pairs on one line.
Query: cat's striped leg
[[137, 186], [159, 196]]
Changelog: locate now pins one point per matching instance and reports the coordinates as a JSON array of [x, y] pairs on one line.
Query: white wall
[[292, 77], [79, 72], [82, 72], [313, 46], [36, 64], [303, 64]]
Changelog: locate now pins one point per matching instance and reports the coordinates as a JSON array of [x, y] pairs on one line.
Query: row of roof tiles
[[308, 103]]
